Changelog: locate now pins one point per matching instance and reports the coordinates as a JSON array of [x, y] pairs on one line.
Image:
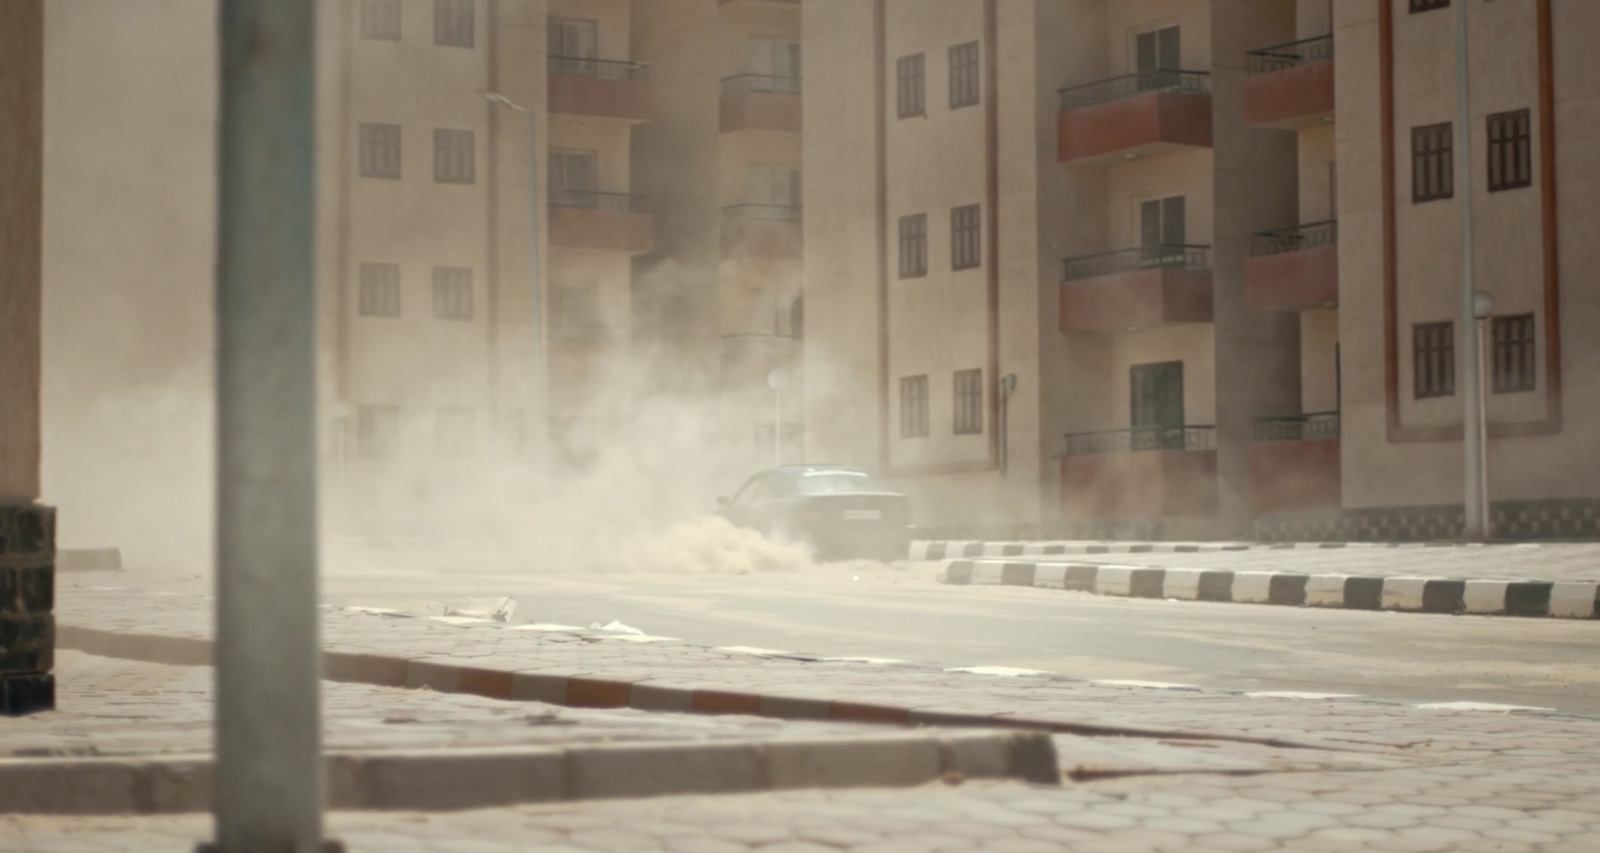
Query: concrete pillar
[[27, 530]]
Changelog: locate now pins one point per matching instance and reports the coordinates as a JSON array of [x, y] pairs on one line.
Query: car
[[840, 512]]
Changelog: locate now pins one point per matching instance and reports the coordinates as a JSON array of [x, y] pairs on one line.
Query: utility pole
[[269, 787], [1473, 433]]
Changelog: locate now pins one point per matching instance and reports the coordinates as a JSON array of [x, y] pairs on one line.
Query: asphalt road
[[900, 612]]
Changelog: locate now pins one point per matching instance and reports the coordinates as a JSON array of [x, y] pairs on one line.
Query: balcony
[[1136, 115], [1290, 86], [600, 88], [1294, 463], [1144, 472], [1293, 269], [761, 102], [1133, 288], [791, 3], [761, 231], [603, 222]]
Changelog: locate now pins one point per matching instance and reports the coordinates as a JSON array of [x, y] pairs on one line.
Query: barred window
[[380, 290], [380, 20], [454, 432], [453, 156], [966, 238], [1432, 163], [1428, 5], [453, 23], [1510, 151], [909, 94], [1514, 366], [964, 75], [1433, 360], [914, 406], [914, 245], [380, 151], [452, 293], [377, 431], [969, 402]]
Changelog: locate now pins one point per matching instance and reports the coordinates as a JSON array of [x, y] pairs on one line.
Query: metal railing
[[1138, 439], [605, 69], [1308, 427], [1291, 55], [777, 84], [1300, 238], [1131, 260], [763, 212], [1162, 80], [599, 200]]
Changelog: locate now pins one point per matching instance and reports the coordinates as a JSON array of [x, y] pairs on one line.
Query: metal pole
[[268, 773], [1471, 361]]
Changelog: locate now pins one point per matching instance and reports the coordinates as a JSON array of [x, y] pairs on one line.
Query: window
[[452, 293], [380, 290], [969, 402], [964, 75], [452, 156], [1514, 366], [1432, 163], [914, 245], [776, 58], [452, 23], [966, 240], [1163, 230], [377, 431], [1433, 360], [1155, 395], [909, 93], [573, 177], [1510, 151], [1157, 56], [575, 309], [1428, 5], [914, 406], [380, 20], [797, 318], [569, 38], [380, 151], [454, 432], [775, 186]]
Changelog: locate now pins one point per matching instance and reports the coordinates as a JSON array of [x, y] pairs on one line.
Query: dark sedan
[[840, 512]]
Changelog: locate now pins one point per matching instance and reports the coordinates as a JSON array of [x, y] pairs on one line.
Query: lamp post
[[541, 377], [1473, 433], [777, 378]]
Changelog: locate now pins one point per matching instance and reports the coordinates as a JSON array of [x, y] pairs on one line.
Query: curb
[[928, 550], [438, 780], [1556, 599]]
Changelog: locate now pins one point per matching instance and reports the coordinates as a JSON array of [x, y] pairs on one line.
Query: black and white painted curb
[[948, 549], [1559, 599]]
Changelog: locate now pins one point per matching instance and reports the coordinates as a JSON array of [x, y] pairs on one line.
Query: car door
[[742, 509]]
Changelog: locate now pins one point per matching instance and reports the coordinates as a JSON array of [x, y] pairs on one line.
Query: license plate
[[862, 515]]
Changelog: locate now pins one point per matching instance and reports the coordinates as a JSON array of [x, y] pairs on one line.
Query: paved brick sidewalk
[[1446, 808]]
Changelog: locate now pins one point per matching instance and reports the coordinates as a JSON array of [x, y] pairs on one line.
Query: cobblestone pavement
[[1550, 562]]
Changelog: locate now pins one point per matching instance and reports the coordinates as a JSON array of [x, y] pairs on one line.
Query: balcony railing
[[599, 200], [1161, 80], [1301, 238], [1292, 55], [605, 69], [1311, 427], [762, 212], [777, 84], [1132, 260], [1140, 439]]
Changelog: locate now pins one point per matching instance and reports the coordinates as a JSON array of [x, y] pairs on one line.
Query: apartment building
[[1152, 268], [720, 299], [438, 116]]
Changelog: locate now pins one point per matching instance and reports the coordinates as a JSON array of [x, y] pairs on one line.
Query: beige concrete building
[[720, 297], [1152, 268]]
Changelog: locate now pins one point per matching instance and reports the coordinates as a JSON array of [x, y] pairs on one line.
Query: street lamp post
[[268, 717], [541, 378], [1473, 433]]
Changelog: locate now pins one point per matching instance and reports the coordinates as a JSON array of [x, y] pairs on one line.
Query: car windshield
[[833, 482]]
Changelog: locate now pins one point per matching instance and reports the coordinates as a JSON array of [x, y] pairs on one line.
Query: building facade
[[1153, 268]]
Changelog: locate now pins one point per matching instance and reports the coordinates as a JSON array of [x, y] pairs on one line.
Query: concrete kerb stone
[[483, 778], [1568, 600]]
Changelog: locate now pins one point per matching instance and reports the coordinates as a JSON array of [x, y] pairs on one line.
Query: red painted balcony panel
[[1294, 269], [1139, 485], [1294, 476], [1290, 86], [761, 238], [600, 88], [1135, 288], [602, 229], [1144, 114]]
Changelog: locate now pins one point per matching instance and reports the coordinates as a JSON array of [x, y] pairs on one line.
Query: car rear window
[[834, 482]]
